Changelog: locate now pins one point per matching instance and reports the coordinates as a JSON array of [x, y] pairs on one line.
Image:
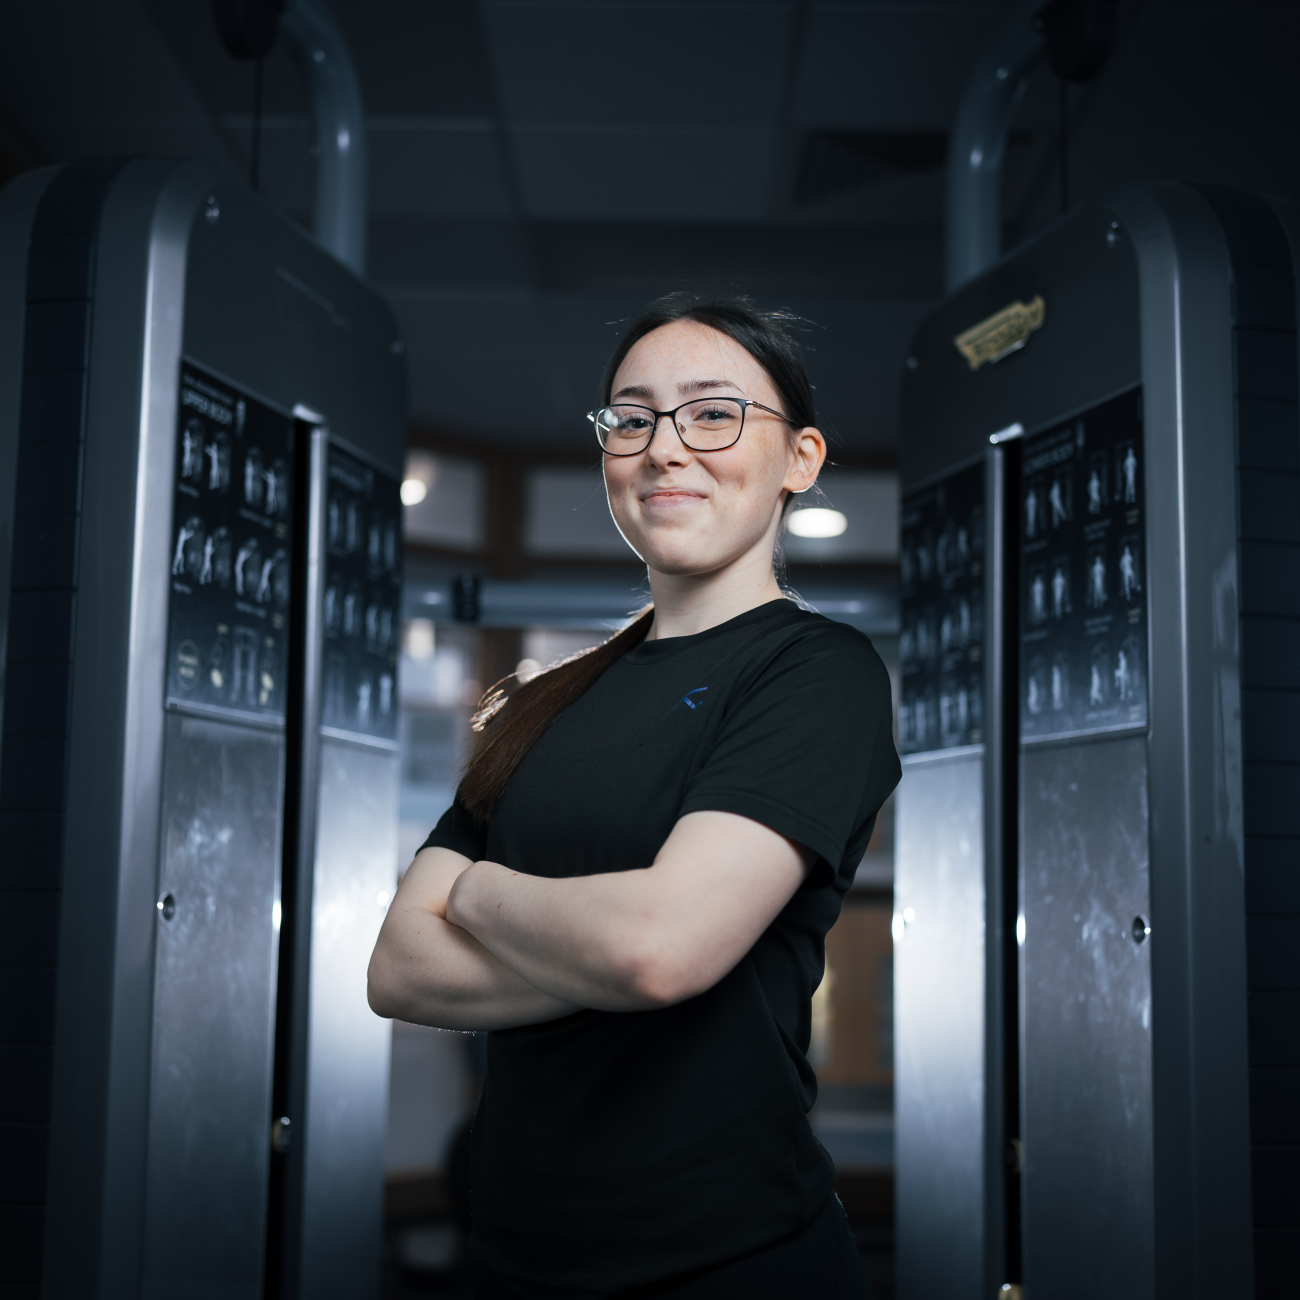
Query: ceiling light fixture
[[414, 491], [815, 521]]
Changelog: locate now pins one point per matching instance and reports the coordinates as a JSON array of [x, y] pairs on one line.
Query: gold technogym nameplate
[[1004, 332]]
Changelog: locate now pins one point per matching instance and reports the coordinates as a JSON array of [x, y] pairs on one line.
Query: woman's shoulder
[[807, 639], [806, 630]]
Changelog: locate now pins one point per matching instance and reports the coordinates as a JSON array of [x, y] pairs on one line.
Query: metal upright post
[[973, 224], [341, 211]]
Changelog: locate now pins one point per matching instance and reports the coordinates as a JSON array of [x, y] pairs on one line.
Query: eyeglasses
[[706, 424]]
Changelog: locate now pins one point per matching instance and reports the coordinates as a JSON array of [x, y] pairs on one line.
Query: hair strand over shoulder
[[510, 725]]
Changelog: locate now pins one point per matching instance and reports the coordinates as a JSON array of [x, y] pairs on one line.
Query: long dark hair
[[508, 733]]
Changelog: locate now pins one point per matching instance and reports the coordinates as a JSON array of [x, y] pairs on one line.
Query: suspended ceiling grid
[[539, 169]]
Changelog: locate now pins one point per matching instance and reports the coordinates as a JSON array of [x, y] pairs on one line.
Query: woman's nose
[[665, 442]]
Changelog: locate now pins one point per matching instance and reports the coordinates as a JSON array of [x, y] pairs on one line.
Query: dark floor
[[424, 1245]]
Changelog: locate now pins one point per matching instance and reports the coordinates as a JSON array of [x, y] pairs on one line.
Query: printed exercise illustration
[[1083, 613]]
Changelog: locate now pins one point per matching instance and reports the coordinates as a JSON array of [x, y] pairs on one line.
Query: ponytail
[[510, 725]]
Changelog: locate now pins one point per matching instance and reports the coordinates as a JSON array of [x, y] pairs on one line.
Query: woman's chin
[[681, 561]]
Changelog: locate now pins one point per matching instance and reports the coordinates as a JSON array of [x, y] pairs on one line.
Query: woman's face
[[687, 512]]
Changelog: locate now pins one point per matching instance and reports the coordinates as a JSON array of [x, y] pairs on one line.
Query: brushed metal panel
[[347, 1084], [1202, 1137], [214, 1003], [939, 974], [1086, 1014], [104, 1016], [1001, 1029]]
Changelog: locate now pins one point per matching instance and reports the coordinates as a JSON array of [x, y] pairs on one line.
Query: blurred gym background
[[538, 170]]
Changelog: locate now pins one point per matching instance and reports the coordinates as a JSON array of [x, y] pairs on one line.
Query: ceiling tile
[[890, 67], [647, 62], [613, 173], [439, 167], [1174, 72], [417, 57], [448, 251], [587, 328], [636, 257], [83, 77], [479, 360]]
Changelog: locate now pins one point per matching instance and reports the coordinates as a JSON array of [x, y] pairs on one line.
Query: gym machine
[[202, 436], [1099, 823]]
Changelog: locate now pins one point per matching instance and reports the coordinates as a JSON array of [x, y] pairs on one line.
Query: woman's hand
[[633, 940], [427, 971]]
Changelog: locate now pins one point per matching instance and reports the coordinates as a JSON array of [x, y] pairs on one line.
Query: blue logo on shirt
[[690, 703]]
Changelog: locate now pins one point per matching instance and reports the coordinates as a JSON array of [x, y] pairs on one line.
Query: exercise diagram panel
[[1083, 606], [363, 598], [940, 647], [229, 624]]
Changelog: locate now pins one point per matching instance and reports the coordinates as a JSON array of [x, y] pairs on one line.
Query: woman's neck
[[689, 603]]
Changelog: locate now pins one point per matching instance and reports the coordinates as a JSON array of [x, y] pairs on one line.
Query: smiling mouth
[[671, 497]]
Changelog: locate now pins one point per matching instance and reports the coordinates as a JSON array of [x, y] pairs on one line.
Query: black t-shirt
[[612, 1149]]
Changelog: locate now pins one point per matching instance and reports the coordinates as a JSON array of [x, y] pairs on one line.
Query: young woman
[[632, 889]]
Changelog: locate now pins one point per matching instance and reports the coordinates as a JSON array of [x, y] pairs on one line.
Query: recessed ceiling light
[[816, 521], [414, 491]]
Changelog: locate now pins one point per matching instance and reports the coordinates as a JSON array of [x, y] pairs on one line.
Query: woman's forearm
[[634, 940], [449, 980], [562, 936]]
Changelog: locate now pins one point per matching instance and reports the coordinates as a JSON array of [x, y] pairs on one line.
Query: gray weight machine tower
[[202, 434], [1098, 837]]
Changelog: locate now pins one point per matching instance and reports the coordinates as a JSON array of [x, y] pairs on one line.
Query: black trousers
[[819, 1262]]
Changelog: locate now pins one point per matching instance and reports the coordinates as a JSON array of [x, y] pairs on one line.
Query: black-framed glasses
[[705, 424]]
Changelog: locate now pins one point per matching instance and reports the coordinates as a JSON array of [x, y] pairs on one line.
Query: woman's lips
[[671, 497]]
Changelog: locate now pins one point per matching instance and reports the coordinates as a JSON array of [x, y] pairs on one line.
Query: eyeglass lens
[[710, 424]]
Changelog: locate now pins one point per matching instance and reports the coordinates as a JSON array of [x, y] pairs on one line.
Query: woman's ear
[[807, 456]]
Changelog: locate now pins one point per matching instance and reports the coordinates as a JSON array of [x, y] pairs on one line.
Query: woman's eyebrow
[[686, 388]]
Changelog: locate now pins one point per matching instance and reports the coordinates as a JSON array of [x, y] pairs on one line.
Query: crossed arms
[[475, 945]]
